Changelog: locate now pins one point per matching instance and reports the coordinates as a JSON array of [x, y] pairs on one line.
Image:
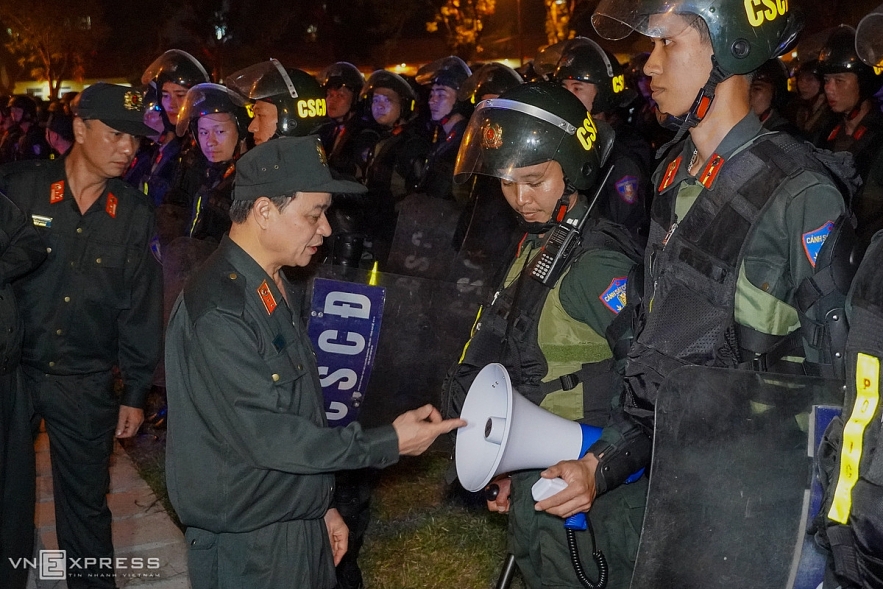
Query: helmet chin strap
[[697, 112], [558, 214]]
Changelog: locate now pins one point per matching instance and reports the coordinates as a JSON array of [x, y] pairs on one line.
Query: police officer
[[767, 95], [546, 328], [850, 85], [597, 79], [284, 102], [21, 250], [395, 163], [60, 133], [448, 118], [203, 192], [348, 135], [811, 113], [246, 405], [94, 304], [737, 226], [25, 139], [170, 75], [853, 527]]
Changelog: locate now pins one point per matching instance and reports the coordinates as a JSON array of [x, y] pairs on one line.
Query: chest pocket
[[104, 268], [286, 373]]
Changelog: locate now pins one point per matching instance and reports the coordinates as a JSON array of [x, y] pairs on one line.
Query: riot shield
[[422, 330], [730, 486], [422, 245]]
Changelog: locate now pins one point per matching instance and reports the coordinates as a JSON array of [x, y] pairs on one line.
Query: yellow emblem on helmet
[[491, 136], [133, 100]]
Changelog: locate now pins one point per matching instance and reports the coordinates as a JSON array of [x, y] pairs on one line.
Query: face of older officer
[[105, 151]]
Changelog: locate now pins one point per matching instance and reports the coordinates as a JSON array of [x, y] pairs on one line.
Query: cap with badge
[[286, 165], [119, 107]]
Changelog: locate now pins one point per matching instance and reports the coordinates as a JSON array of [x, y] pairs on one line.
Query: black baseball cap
[[119, 107], [283, 166]]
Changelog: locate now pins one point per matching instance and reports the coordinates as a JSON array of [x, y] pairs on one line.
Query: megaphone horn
[[506, 432]]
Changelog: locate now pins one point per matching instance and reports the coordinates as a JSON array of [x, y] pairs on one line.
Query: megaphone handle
[[577, 521]]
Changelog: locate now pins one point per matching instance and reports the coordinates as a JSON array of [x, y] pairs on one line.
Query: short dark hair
[[240, 209], [697, 22]]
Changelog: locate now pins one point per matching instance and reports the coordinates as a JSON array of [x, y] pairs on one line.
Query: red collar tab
[[834, 133], [858, 133], [670, 173], [56, 192], [709, 173], [267, 297], [111, 208]]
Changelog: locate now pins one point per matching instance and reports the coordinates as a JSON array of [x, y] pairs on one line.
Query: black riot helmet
[[584, 60], [396, 83], [743, 36], [774, 73], [177, 67], [206, 99], [27, 104], [869, 38], [342, 74], [532, 124], [491, 78], [448, 71], [298, 97], [839, 56]]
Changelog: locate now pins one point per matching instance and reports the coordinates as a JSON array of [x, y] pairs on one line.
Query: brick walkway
[[141, 527]]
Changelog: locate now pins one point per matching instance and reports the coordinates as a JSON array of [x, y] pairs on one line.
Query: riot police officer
[[544, 147], [170, 75], [448, 118], [737, 226], [595, 77], [768, 94], [347, 136], [283, 102], [24, 140]]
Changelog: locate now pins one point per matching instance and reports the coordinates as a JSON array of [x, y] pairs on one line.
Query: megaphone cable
[[597, 556]]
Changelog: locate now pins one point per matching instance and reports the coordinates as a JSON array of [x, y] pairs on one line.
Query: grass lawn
[[419, 537]]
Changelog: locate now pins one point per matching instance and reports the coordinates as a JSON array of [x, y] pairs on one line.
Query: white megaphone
[[506, 432]]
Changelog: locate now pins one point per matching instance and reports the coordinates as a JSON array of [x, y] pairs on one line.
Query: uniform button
[[97, 260], [79, 229], [48, 250], [299, 367], [233, 276], [57, 332], [275, 378], [67, 299], [51, 364]]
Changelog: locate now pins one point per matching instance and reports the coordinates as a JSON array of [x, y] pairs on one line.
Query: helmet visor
[[258, 81], [505, 135], [616, 19], [869, 38], [201, 100], [178, 66]]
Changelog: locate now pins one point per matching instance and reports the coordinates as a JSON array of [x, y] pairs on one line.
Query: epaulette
[[215, 287]]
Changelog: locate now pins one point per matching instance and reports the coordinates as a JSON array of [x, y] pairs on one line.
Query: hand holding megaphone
[[417, 429]]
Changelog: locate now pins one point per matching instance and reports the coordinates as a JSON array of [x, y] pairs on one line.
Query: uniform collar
[[738, 137], [259, 285]]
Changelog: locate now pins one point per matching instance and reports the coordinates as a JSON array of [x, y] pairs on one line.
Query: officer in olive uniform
[[94, 304], [547, 330], [21, 250], [738, 226], [250, 458]]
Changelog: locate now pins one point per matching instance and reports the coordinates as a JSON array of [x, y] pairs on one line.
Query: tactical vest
[[507, 331], [687, 316], [854, 496]]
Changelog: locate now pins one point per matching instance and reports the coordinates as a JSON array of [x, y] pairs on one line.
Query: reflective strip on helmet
[[530, 110], [867, 386], [291, 89]]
